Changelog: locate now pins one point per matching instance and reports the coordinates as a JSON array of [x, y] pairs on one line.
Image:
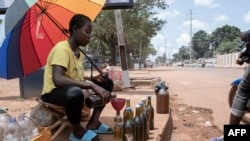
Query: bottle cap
[[21, 116], [128, 109], [137, 106], [113, 95], [12, 119], [141, 104]]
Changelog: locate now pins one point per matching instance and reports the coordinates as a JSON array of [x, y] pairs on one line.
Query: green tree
[[105, 32], [182, 54], [225, 39], [200, 44], [175, 57], [139, 24], [229, 47], [222, 34]]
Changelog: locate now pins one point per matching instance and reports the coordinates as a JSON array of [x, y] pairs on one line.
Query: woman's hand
[[105, 71], [101, 77], [106, 95]]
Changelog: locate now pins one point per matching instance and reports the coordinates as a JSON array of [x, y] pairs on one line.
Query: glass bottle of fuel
[[144, 119], [124, 112], [151, 113], [127, 112], [128, 126], [138, 125], [144, 101], [118, 126]]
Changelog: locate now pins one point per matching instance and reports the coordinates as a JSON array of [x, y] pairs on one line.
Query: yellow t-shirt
[[62, 55]]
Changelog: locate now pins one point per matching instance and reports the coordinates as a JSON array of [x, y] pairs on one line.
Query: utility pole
[[158, 52], [165, 56], [121, 43], [140, 61], [190, 45]]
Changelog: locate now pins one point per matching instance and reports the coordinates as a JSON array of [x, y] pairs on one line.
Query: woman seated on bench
[[64, 81]]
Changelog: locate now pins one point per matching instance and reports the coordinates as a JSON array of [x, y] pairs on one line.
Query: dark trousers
[[72, 99]]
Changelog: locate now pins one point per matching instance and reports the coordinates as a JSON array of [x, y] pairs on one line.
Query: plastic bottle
[[96, 101], [138, 125], [27, 126], [13, 131], [151, 113], [1, 133], [118, 132], [33, 128], [4, 117], [128, 126], [162, 98]]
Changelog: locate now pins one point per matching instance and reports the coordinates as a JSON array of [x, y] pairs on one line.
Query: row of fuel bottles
[[135, 127]]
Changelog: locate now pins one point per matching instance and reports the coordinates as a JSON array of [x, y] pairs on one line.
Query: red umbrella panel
[[27, 43]]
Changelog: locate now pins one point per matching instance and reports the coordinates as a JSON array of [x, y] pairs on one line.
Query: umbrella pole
[[92, 63]]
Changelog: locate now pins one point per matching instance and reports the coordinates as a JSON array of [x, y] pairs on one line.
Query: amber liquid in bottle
[[138, 125], [96, 100], [151, 113], [144, 118], [128, 126], [124, 112], [145, 111], [127, 112], [118, 127]]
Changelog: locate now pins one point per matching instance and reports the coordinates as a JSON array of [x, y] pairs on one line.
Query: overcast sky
[[206, 15]]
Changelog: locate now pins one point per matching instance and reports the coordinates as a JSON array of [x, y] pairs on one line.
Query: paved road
[[201, 87]]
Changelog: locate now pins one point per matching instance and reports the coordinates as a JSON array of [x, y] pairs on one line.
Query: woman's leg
[[72, 98], [241, 98]]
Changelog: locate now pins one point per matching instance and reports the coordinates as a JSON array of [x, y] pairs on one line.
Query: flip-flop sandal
[[103, 129], [88, 136]]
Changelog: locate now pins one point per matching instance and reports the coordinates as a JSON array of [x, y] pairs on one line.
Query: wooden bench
[[59, 112]]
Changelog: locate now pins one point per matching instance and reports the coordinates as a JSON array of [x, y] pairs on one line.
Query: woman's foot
[[88, 135], [80, 132], [93, 125], [99, 127]]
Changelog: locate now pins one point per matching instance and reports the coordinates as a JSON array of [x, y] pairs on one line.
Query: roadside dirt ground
[[191, 123], [10, 98], [188, 123]]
